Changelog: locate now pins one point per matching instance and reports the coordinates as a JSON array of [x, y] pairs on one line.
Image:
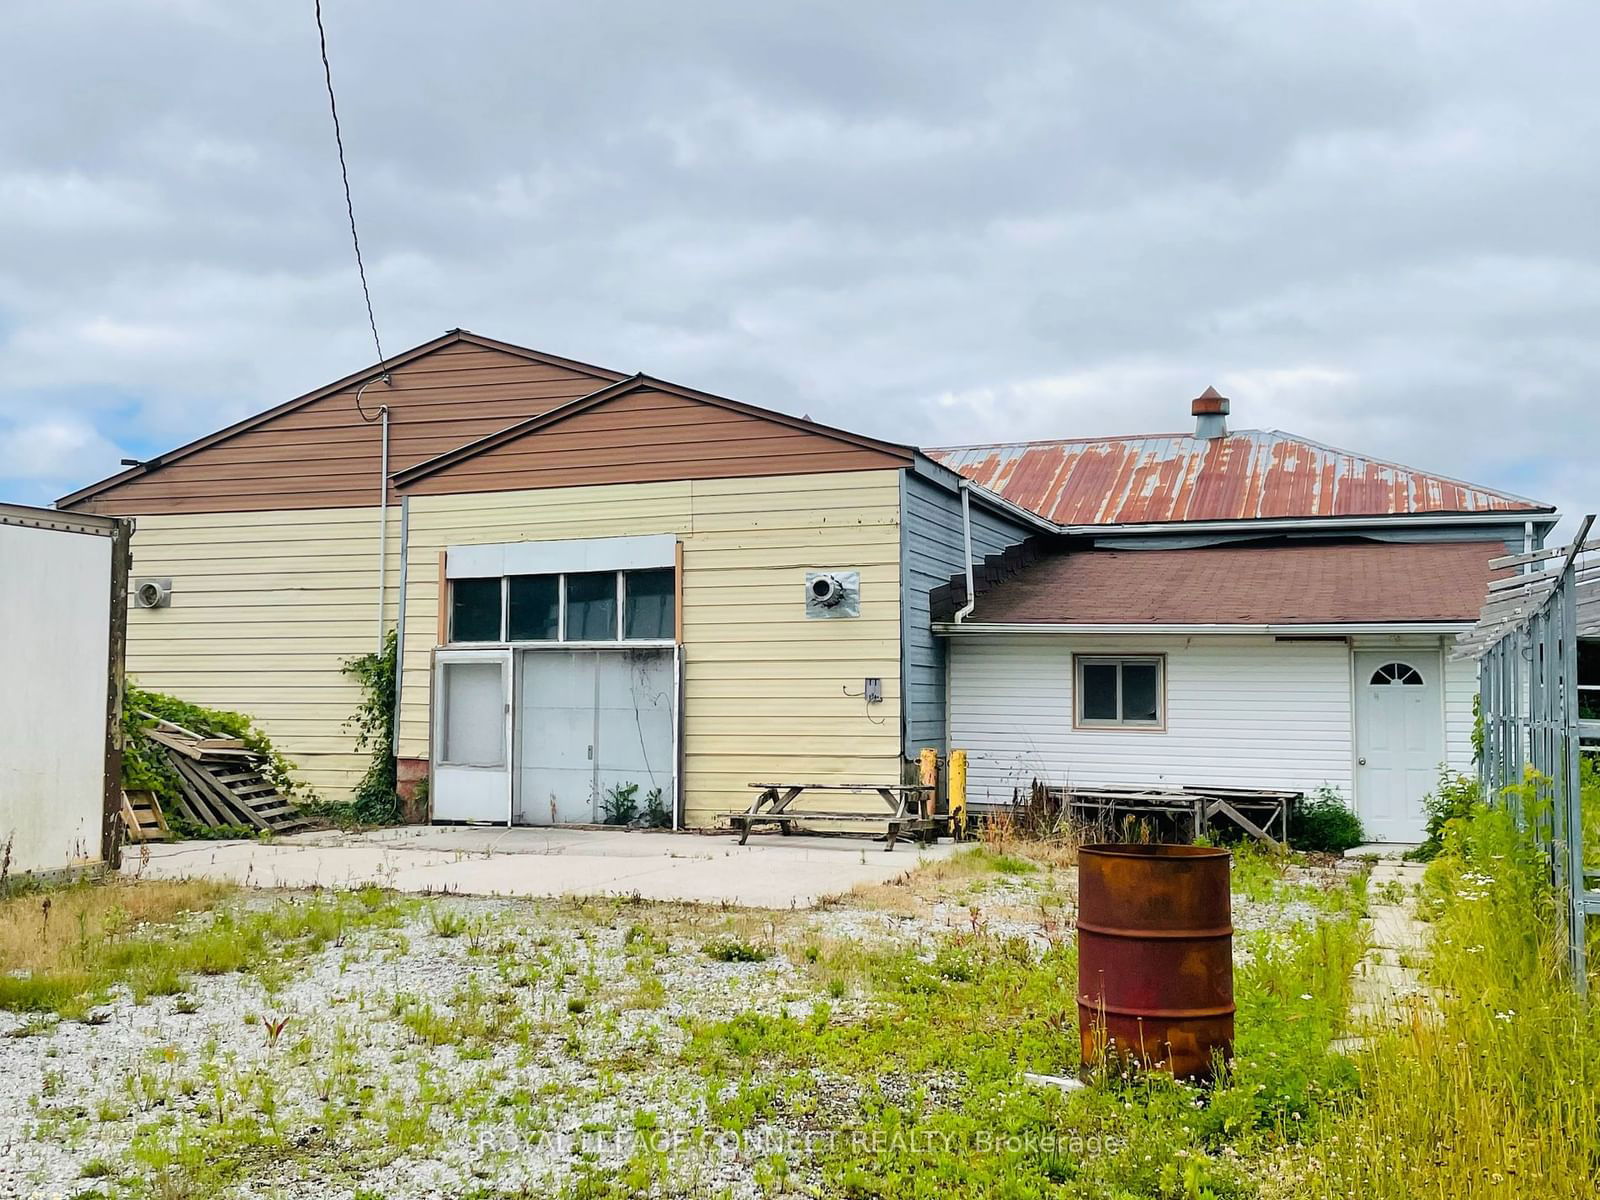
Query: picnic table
[[908, 808]]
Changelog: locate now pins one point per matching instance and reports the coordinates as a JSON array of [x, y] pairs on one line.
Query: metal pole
[[1576, 884]]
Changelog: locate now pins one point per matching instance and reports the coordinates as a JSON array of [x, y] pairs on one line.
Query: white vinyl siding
[[266, 609], [1248, 712], [1240, 711], [1460, 687]]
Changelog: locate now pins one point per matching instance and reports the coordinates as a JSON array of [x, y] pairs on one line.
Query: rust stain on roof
[[1248, 474]]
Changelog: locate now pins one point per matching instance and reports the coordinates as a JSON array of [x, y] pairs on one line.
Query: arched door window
[[1396, 673]]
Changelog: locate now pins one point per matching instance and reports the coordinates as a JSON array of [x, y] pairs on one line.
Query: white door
[[556, 784], [635, 721], [591, 722], [472, 734], [1399, 740]]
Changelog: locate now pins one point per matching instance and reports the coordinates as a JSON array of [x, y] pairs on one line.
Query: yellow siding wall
[[763, 686], [266, 607]]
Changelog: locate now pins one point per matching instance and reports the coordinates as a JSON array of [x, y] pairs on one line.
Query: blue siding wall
[[930, 552]]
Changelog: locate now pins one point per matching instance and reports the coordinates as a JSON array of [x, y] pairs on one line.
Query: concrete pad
[[770, 872], [1382, 850]]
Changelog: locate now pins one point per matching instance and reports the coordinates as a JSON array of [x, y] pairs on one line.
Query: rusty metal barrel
[[1155, 956]]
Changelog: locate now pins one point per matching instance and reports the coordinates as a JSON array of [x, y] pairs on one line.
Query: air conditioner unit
[[833, 594], [152, 593]]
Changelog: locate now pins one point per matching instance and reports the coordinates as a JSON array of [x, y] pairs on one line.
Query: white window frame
[[560, 640], [1079, 721]]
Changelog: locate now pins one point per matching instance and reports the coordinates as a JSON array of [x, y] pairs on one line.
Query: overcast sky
[[1373, 224]]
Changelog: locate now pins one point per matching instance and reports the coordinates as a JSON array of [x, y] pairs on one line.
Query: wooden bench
[[908, 809]]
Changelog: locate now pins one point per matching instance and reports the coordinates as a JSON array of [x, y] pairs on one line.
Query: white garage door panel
[[591, 721], [556, 783], [636, 722]]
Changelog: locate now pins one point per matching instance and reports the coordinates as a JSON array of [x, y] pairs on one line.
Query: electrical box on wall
[[831, 594]]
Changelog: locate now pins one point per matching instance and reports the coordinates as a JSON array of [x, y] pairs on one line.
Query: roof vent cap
[[1210, 411]]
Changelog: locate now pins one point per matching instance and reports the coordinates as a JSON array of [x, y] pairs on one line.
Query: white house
[[1225, 609]]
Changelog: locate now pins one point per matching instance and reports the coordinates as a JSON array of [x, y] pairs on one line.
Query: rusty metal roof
[[1250, 473]]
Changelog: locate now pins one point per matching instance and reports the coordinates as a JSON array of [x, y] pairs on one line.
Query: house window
[[1121, 692], [475, 610], [1397, 673], [649, 604], [592, 607], [533, 608]]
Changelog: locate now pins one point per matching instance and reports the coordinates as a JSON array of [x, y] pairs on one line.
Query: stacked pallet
[[221, 782], [142, 819]]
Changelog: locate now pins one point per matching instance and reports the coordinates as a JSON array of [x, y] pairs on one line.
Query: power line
[[344, 174]]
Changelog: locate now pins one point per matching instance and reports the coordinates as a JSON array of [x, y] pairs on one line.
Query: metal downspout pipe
[[382, 418], [966, 552], [383, 521]]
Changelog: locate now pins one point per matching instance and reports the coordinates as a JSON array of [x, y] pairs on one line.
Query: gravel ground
[[507, 1045]]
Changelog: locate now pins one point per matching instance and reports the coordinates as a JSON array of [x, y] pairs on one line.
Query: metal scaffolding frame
[[1526, 644]]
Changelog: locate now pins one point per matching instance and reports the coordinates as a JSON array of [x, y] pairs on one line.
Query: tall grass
[[1497, 1093], [64, 951]]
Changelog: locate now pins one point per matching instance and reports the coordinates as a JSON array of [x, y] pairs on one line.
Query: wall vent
[[152, 593], [833, 594]]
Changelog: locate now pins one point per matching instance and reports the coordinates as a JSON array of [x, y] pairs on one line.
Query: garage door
[[592, 723]]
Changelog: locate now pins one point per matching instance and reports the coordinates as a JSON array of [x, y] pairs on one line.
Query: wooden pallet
[[142, 819], [221, 782]]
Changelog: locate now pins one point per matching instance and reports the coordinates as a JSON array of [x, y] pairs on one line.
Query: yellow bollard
[[956, 786], [928, 777]]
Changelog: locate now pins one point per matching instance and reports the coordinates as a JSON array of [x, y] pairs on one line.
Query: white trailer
[[63, 618]]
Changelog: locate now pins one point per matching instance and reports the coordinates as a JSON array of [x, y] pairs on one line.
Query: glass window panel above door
[[649, 604], [533, 608], [475, 610], [592, 607]]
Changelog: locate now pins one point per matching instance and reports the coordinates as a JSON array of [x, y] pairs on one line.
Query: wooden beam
[[442, 625]]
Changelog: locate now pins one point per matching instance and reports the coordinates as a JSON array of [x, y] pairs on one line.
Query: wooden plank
[[196, 803], [233, 776], [845, 787], [184, 746], [230, 812], [809, 814], [1242, 821], [1517, 560]]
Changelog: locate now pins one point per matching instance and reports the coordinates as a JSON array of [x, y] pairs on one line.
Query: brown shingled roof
[[1293, 584]]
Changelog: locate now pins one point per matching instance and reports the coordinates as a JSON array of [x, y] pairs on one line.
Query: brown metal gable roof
[[636, 383], [452, 337]]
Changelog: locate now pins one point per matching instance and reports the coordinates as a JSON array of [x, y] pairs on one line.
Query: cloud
[[51, 449], [1370, 223]]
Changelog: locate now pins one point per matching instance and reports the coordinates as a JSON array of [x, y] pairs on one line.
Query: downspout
[[966, 552], [383, 521], [382, 418], [400, 618]]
